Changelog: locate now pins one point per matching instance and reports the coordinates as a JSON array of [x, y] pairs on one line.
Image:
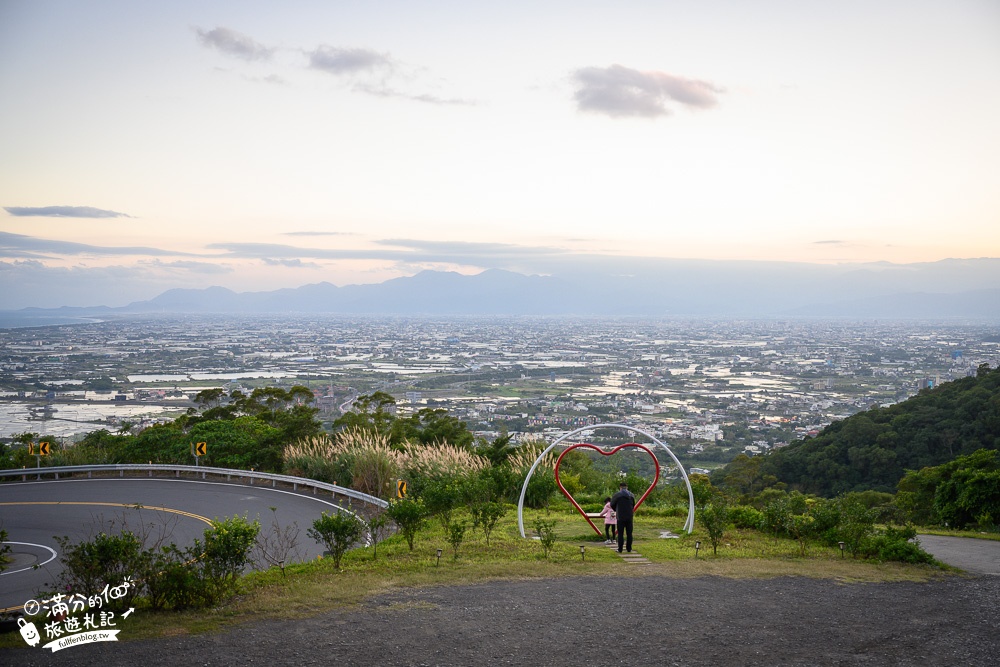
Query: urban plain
[[709, 388]]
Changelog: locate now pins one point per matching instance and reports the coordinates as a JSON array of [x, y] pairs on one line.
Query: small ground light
[[439, 557], [583, 552], [281, 564], [697, 546], [841, 549]]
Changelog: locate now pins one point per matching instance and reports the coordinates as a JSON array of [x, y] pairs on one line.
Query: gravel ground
[[636, 620]]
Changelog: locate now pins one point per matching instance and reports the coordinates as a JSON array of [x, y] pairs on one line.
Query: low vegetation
[[462, 500]]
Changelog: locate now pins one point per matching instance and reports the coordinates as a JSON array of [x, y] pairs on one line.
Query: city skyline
[[195, 144]]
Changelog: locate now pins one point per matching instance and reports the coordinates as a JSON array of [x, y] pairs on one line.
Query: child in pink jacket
[[610, 522]]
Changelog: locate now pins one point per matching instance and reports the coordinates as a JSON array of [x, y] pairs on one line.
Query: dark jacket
[[623, 503]]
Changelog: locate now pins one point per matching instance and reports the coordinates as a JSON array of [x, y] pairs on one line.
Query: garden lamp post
[[583, 552], [697, 546], [439, 557], [841, 549]]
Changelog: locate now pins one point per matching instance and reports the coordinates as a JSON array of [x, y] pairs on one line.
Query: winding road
[[34, 513], [969, 554]]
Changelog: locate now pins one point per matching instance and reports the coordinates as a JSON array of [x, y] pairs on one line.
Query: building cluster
[[713, 388]]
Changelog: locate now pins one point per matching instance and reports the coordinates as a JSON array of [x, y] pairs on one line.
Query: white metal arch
[[688, 525]]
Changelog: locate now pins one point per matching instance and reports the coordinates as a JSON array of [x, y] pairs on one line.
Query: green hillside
[[874, 449]]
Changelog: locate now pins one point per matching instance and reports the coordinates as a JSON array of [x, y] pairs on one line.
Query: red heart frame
[[656, 467]]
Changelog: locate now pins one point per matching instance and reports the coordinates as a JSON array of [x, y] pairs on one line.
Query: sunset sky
[[259, 145]]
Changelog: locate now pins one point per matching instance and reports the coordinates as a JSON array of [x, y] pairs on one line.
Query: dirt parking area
[[634, 620]]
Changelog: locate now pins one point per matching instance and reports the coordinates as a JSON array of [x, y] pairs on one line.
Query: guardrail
[[228, 473]]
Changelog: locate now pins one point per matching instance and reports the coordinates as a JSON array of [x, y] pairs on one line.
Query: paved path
[[966, 553], [969, 554]]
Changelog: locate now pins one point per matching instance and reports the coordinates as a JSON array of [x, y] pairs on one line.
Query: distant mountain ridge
[[644, 288]]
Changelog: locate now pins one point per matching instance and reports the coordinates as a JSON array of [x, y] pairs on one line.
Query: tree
[[715, 518], [498, 451], [488, 515], [369, 412], [378, 526], [456, 534], [432, 425], [337, 532], [857, 523]]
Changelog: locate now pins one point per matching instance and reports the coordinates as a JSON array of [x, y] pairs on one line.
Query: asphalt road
[[34, 513], [969, 554]]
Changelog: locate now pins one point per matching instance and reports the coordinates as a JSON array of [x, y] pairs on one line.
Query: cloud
[[234, 43], [206, 268], [337, 61], [619, 92], [382, 91], [405, 250], [279, 251], [19, 245], [831, 242], [464, 249], [63, 212], [307, 233], [291, 263]]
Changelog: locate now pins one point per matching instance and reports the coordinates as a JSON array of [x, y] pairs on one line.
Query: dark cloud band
[[19, 245], [63, 212]]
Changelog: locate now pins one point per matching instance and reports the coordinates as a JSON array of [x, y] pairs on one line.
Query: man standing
[[623, 503]]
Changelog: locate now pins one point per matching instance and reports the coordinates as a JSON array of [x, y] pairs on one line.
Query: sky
[[259, 145]]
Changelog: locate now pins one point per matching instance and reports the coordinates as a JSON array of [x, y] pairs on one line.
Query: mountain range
[[968, 288]]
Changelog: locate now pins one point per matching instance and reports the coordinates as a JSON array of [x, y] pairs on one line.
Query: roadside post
[[198, 449], [43, 450]]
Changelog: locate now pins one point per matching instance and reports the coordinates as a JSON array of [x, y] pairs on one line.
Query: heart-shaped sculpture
[[599, 450]]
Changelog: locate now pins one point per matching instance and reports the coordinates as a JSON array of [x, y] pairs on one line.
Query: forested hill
[[873, 449]]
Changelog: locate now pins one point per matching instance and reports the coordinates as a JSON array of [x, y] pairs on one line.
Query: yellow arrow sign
[[200, 448], [400, 488], [43, 449]]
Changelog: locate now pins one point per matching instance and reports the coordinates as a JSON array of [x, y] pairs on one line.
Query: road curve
[[969, 554], [34, 513]]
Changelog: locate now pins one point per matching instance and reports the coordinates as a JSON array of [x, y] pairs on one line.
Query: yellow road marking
[[134, 506]]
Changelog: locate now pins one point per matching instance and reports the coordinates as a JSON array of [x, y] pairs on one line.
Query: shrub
[[774, 516], [378, 529], [895, 545], [545, 530], [226, 552], [4, 550], [409, 516], [105, 559], [441, 497], [744, 516], [541, 486], [456, 534], [337, 532], [826, 519]]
